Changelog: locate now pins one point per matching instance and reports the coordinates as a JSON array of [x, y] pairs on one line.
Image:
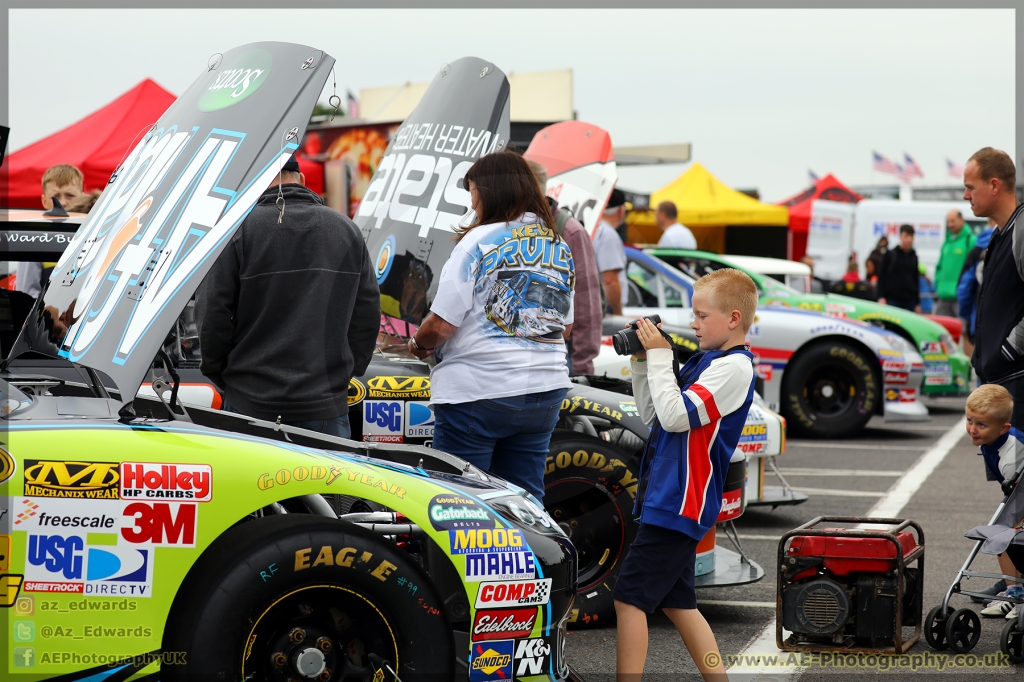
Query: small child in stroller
[[989, 409]]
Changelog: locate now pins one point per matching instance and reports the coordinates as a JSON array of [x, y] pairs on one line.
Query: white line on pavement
[[746, 536], [891, 504], [724, 602], [799, 471], [828, 492], [849, 446]]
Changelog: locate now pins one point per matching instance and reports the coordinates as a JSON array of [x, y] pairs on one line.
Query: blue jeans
[[338, 426], [508, 437]]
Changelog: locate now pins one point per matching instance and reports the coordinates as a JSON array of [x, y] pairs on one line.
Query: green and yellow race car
[[143, 540], [947, 371]]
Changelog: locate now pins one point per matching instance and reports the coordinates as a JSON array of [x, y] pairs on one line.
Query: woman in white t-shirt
[[497, 325]]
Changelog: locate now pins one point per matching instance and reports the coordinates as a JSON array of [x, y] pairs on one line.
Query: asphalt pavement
[[842, 478]]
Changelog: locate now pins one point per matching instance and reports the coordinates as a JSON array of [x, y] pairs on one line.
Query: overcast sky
[[763, 95]]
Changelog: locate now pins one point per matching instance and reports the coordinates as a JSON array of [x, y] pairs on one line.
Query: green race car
[[947, 370], [140, 540]]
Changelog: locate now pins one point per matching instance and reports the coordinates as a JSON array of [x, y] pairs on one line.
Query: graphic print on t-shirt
[[530, 278]]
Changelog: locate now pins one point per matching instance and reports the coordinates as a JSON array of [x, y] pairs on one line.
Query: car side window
[[642, 283], [674, 298]]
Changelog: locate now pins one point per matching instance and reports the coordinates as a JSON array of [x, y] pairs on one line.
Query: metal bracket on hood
[[423, 249], [69, 278], [134, 292], [366, 234]]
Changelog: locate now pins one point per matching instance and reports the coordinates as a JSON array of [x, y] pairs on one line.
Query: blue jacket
[[1003, 455], [967, 289], [695, 432]]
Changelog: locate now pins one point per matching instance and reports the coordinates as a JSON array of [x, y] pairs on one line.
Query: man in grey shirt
[[610, 254]]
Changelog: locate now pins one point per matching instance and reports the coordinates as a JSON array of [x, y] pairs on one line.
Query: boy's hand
[[650, 337], [640, 355]]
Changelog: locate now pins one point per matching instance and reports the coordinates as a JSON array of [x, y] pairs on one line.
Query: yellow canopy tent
[[708, 207]]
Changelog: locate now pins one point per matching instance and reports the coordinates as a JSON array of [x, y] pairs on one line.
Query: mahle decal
[[237, 80]]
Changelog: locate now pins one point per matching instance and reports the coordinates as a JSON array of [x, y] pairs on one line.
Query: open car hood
[[581, 170], [170, 208], [416, 196]]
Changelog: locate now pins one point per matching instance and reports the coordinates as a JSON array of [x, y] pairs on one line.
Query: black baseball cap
[[291, 164], [616, 199]]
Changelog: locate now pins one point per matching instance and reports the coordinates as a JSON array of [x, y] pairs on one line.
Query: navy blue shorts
[[657, 572]]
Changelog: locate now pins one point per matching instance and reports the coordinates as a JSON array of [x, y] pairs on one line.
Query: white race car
[[827, 376]]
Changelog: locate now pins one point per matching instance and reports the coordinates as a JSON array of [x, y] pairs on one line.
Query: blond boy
[[65, 183], [697, 420]]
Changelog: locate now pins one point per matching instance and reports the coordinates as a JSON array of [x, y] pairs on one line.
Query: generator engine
[[842, 590]]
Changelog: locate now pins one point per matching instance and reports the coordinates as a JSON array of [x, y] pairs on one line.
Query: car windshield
[[548, 296]]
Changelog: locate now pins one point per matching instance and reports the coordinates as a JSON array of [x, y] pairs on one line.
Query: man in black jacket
[[990, 182], [898, 278], [290, 311]]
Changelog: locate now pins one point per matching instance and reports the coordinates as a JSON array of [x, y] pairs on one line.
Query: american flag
[[956, 170], [884, 165], [812, 176], [910, 167], [353, 105]]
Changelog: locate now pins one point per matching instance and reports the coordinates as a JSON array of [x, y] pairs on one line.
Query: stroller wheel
[[1011, 642], [963, 630], [935, 628]]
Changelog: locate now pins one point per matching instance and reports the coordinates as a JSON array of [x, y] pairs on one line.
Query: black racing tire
[[237, 611], [830, 390], [935, 628], [589, 488]]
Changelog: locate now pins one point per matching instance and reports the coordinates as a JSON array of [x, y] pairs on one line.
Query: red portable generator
[[850, 588]]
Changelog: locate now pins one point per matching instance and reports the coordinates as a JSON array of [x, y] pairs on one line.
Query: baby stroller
[[960, 630]]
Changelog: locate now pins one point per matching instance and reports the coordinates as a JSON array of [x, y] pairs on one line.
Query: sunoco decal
[[237, 80], [491, 661]]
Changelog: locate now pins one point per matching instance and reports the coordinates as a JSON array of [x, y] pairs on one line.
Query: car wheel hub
[[310, 662]]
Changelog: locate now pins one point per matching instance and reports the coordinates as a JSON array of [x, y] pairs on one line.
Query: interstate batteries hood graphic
[[417, 196], [580, 163], [170, 208]]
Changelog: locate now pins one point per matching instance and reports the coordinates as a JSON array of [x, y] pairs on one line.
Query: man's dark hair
[[507, 189], [907, 229], [668, 209], [993, 163]]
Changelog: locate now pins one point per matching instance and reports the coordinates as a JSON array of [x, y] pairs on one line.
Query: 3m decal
[[483, 540], [383, 420], [160, 523], [80, 480], [419, 420], [7, 465], [504, 624], [531, 656], [452, 511], [347, 557], [186, 482], [514, 593], [236, 80], [500, 566], [398, 387], [356, 391], [491, 661]]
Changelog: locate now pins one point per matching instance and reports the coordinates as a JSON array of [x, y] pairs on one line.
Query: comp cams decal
[[514, 593]]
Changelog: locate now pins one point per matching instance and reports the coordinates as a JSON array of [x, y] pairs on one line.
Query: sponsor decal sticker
[[485, 540], [419, 420], [185, 482], [753, 448], [885, 352], [577, 402], [892, 395], [398, 387], [346, 557], [385, 257], [732, 505], [629, 408], [356, 391], [764, 371], [237, 80], [500, 566], [908, 395], [5, 553], [78, 480], [451, 511], [931, 347], [112, 571], [514, 593], [7, 465], [504, 624], [754, 432], [491, 661], [896, 377], [531, 656], [891, 366], [160, 523], [938, 380], [382, 420]]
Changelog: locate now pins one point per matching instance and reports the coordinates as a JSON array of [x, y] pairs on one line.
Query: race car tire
[[589, 490], [278, 597], [830, 390]]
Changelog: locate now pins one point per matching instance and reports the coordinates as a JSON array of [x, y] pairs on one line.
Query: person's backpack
[[562, 216]]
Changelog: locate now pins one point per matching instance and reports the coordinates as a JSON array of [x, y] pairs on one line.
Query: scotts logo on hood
[[417, 195], [169, 210], [236, 80]]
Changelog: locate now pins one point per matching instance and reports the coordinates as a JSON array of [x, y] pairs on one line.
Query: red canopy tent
[[827, 188], [96, 144]]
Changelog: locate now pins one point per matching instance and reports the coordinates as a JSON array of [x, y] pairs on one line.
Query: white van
[[832, 236]]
